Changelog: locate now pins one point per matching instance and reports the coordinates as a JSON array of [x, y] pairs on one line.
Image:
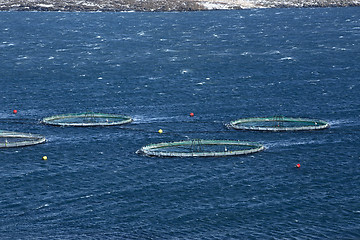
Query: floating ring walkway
[[278, 123], [17, 139], [88, 119], [201, 148]]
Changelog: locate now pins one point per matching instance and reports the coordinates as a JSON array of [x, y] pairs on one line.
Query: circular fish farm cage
[[88, 119], [278, 123], [18, 139], [201, 148]]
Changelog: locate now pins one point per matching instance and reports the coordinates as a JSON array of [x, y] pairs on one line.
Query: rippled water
[[157, 68]]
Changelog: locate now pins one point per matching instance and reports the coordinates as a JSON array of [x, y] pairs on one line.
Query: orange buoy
[[298, 165], [191, 114], [15, 111]]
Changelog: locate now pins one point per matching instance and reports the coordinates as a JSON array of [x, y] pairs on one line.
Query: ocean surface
[[158, 68]]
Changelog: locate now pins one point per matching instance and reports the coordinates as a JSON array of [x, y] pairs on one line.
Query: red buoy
[[298, 165], [191, 114], [15, 111]]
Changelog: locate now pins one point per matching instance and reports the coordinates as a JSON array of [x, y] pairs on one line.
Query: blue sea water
[[157, 68]]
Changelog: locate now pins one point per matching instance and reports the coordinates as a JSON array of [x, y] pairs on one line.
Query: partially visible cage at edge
[[17, 139]]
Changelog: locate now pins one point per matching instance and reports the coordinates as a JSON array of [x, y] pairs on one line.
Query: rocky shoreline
[[164, 5]]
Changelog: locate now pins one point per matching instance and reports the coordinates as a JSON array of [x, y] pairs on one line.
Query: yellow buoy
[[44, 158], [160, 131]]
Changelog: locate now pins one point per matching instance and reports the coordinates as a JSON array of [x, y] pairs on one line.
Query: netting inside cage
[[201, 148], [87, 119], [17, 139], [278, 123]]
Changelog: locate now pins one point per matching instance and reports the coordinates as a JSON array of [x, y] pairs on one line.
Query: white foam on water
[[42, 206], [6, 44], [68, 139], [144, 119], [294, 142], [169, 50], [272, 52], [246, 53], [4, 115], [87, 196], [341, 122], [287, 58]]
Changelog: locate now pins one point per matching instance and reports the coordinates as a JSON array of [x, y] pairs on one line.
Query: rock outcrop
[[163, 5]]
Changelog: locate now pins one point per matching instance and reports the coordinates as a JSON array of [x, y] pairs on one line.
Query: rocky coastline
[[164, 5]]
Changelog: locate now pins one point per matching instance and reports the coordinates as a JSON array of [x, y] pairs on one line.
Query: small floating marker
[[44, 158], [15, 111], [298, 165], [191, 114], [160, 131]]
